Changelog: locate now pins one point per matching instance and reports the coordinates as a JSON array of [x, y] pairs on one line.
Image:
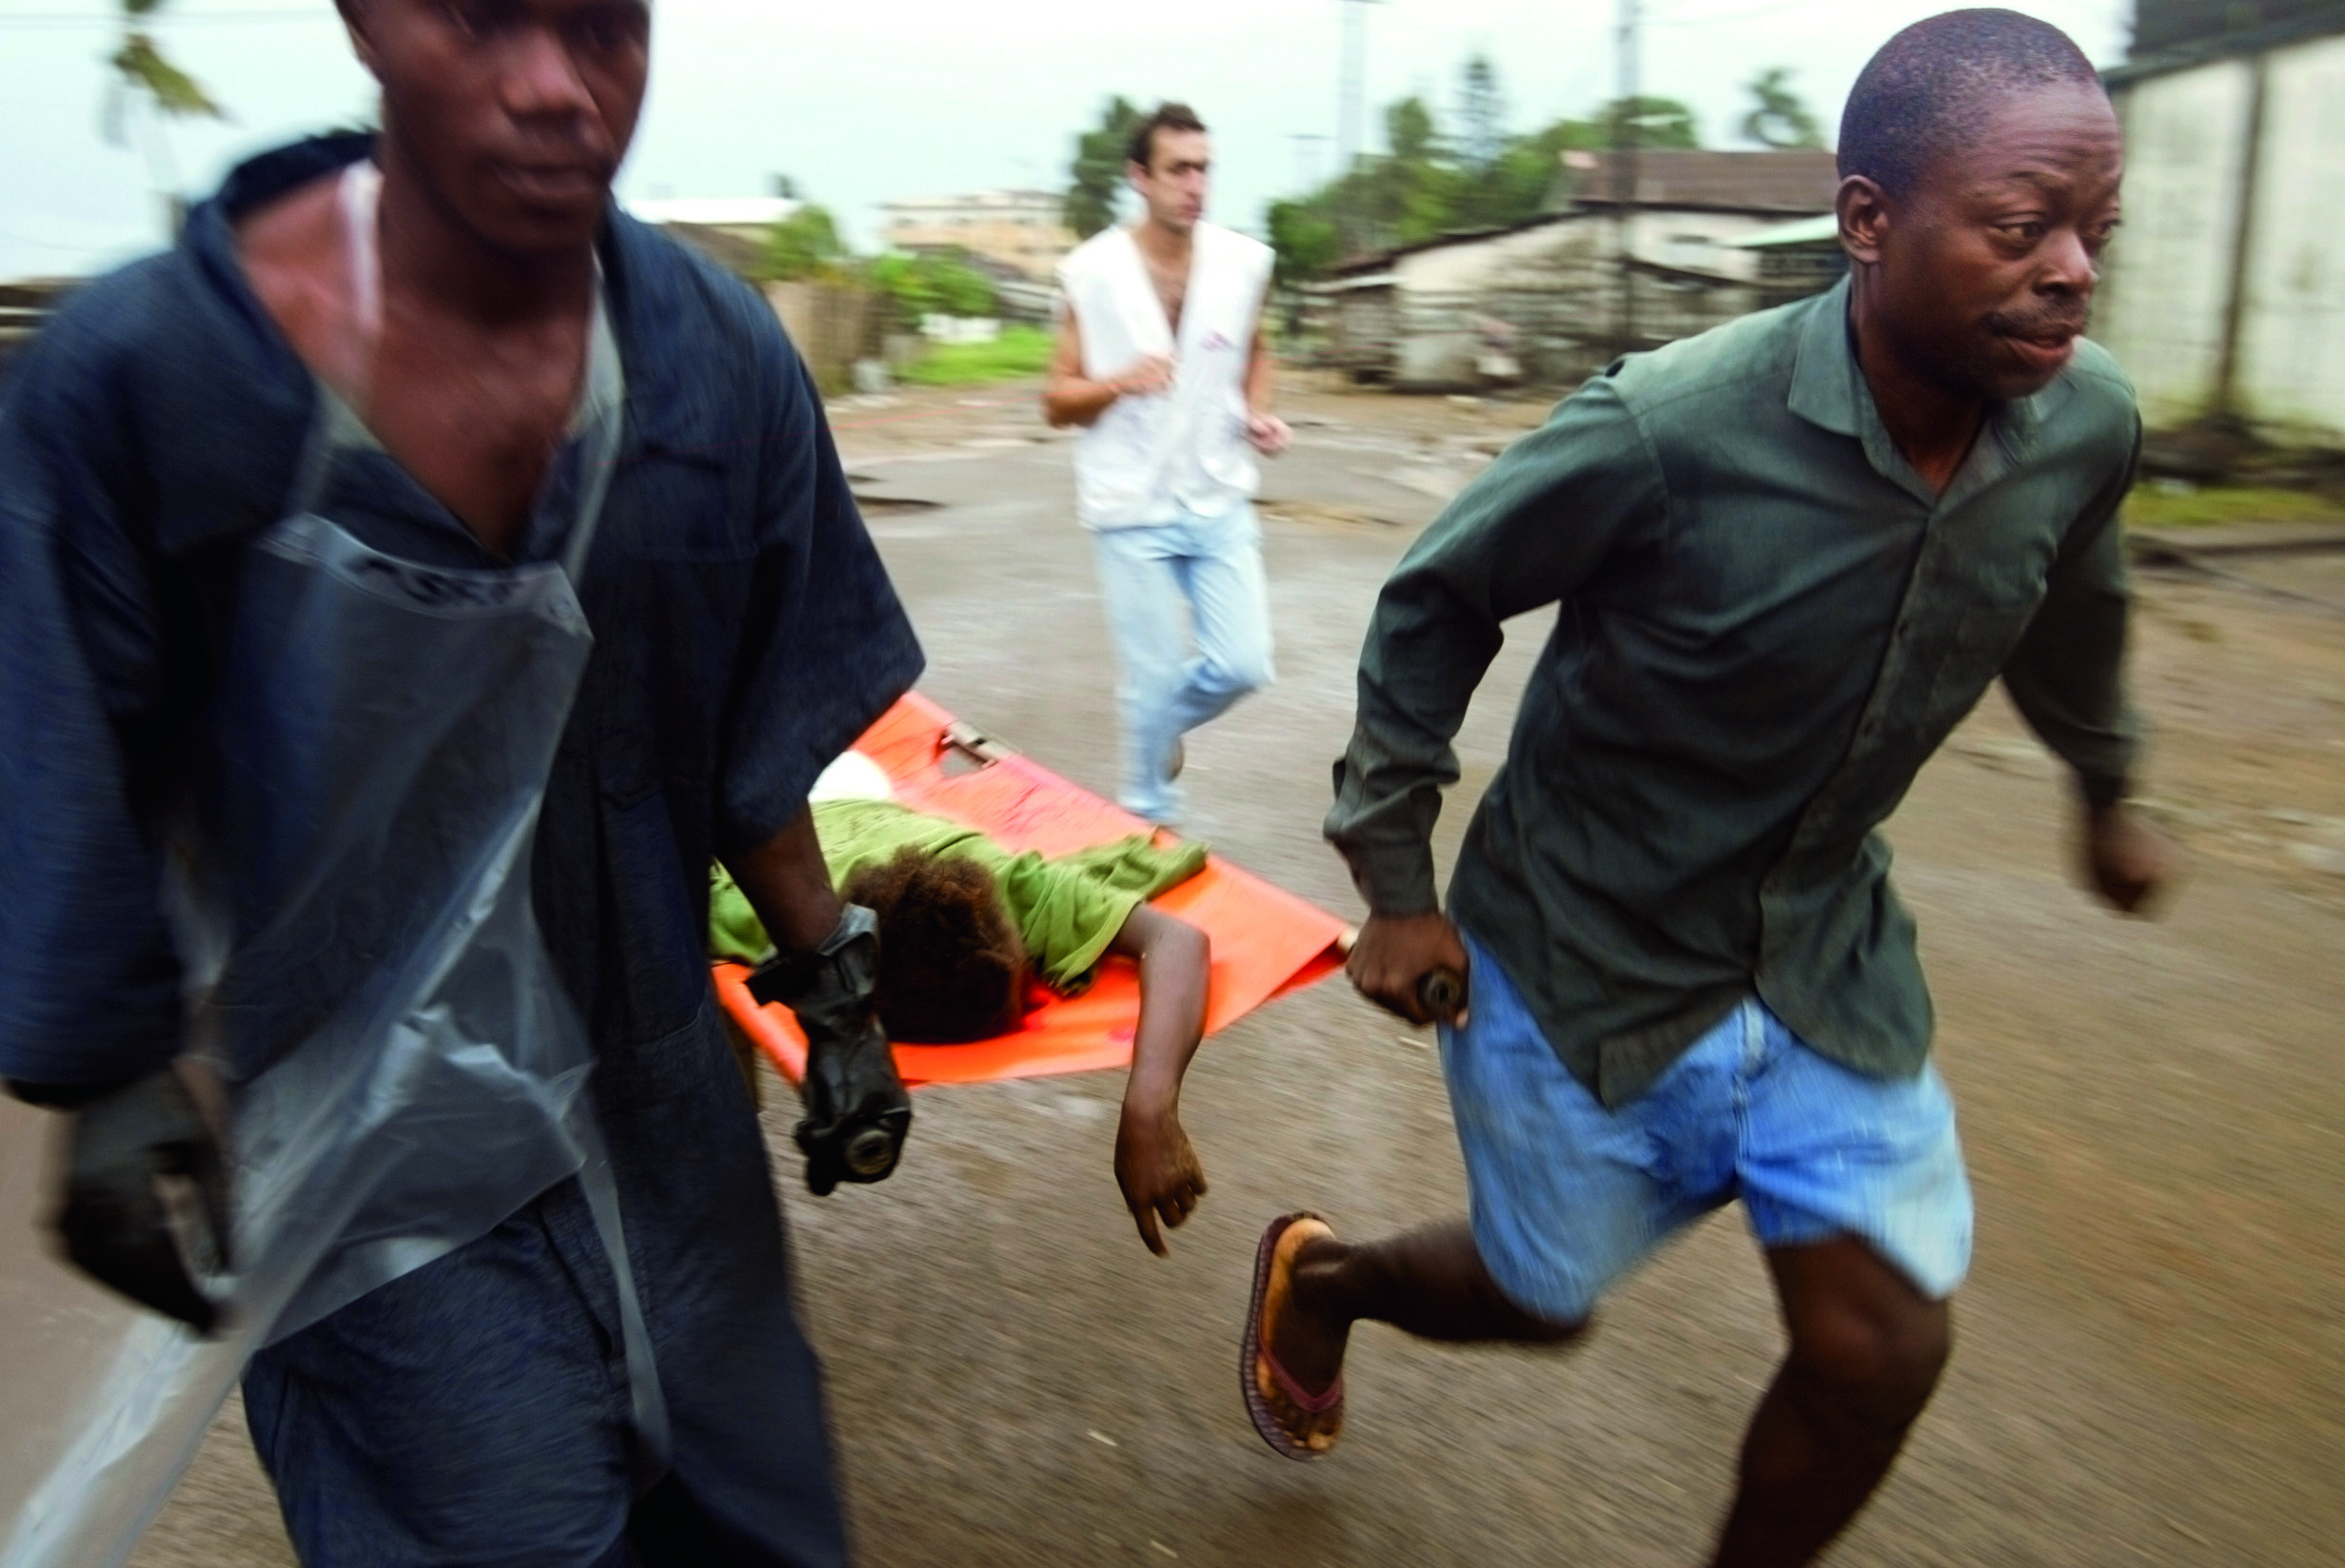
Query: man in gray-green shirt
[[1789, 555]]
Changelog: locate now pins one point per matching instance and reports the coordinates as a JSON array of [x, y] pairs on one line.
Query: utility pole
[[1306, 158], [1624, 176], [1352, 84]]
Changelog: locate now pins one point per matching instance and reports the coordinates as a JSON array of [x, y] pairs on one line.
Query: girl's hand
[[1157, 1170]]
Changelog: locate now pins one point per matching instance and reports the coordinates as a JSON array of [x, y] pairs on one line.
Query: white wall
[[2168, 276], [2292, 342], [1663, 238], [1439, 292], [1453, 269], [1657, 237], [1556, 286]]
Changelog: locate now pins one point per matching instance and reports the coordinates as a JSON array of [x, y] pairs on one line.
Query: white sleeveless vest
[[1148, 459]]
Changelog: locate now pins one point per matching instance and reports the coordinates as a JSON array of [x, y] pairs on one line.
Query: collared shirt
[[745, 631], [1767, 623]]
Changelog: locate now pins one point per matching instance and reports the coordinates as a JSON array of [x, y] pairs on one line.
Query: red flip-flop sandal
[[1254, 1361]]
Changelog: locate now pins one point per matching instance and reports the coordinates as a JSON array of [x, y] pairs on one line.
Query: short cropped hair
[[1167, 117], [1927, 91], [951, 968]]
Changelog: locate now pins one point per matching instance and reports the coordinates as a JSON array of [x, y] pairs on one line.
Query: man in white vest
[[1162, 362]]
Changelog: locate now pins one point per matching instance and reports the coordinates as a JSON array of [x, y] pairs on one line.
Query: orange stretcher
[[1266, 941]]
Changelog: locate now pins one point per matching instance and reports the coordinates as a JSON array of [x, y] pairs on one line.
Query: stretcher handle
[[871, 1153], [1442, 991], [972, 743]]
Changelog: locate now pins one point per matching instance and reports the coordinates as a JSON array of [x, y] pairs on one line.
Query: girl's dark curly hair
[[951, 968]]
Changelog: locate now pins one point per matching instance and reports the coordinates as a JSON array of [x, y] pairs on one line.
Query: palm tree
[[1780, 119]]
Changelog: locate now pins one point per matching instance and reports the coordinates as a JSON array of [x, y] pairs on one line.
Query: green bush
[[804, 245], [1020, 351], [923, 286], [2154, 506]]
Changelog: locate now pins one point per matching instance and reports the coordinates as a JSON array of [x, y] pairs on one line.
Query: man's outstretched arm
[[2067, 678], [90, 981], [825, 969], [825, 649], [1529, 532], [787, 883]]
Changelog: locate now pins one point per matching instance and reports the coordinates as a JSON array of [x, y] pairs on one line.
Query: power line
[[1306, 158], [1665, 20], [110, 20], [1624, 139], [1352, 84], [101, 247]]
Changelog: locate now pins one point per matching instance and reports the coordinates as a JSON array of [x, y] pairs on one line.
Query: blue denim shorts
[[1569, 1196]]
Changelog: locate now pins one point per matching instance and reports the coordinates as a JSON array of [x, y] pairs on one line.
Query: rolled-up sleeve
[[2067, 674], [1528, 533], [90, 979], [827, 647]]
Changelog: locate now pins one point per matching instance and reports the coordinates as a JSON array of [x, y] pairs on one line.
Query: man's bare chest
[[477, 424], [1170, 285]]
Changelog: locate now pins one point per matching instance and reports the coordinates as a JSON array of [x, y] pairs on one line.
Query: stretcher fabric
[[1266, 940]]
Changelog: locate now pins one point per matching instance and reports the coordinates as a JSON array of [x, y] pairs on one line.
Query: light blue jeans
[[1213, 567], [1568, 1196]]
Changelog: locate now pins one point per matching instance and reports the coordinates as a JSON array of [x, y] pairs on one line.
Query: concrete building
[[1647, 251], [730, 230], [1022, 230], [2224, 294], [1799, 258], [25, 306]]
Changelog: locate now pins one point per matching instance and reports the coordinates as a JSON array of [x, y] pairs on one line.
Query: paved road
[[2151, 1363]]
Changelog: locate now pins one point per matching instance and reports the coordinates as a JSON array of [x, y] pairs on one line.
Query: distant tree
[[1780, 120], [1098, 172], [1648, 123], [1409, 131], [1480, 112], [142, 71], [932, 286], [1425, 184], [804, 245], [139, 67], [1304, 243], [785, 188]]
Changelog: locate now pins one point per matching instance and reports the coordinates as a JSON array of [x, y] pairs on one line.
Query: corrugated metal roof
[[1792, 180], [2281, 26], [1821, 230], [2167, 24]]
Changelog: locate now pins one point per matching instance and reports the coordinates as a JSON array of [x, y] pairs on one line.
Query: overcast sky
[[862, 103]]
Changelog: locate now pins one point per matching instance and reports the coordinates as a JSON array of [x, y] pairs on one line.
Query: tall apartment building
[[1022, 230]]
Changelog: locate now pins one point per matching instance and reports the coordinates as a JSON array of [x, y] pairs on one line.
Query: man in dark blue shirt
[[1789, 555], [451, 309]]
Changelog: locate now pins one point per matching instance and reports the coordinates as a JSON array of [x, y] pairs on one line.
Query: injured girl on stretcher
[[971, 936]]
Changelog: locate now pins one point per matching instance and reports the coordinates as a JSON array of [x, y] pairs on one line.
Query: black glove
[[857, 1112], [113, 1221]]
